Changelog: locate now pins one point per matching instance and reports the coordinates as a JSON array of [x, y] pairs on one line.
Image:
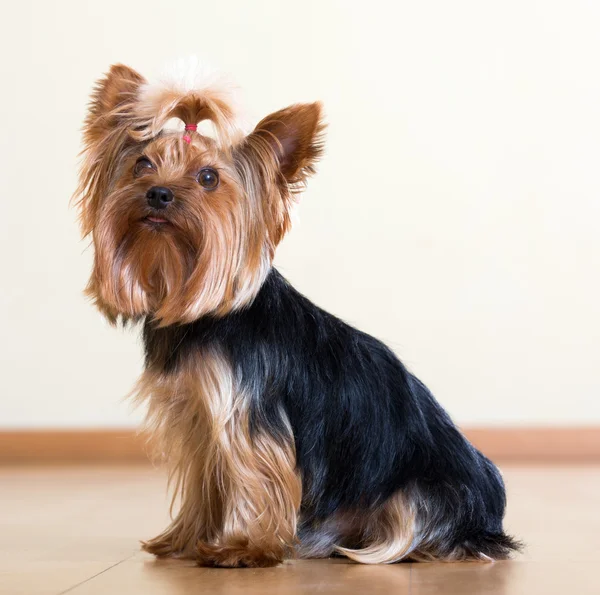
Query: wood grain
[[553, 445]]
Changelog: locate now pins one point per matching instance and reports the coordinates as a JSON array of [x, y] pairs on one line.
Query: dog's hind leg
[[390, 533]]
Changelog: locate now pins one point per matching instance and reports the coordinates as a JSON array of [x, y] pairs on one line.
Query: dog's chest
[[198, 403]]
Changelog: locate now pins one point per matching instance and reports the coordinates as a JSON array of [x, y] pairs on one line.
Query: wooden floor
[[76, 530]]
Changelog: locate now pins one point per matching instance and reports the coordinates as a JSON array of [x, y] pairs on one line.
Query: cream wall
[[455, 215]]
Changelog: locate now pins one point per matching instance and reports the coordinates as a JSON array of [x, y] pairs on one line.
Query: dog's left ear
[[275, 161], [294, 136]]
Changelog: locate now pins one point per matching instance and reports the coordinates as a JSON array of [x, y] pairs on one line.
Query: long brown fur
[[238, 494], [220, 244]]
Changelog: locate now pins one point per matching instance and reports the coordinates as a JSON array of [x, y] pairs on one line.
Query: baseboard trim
[[550, 445], [553, 445], [71, 446]]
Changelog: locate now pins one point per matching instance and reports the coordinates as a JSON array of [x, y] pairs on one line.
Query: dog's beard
[[158, 261], [206, 258], [139, 267]]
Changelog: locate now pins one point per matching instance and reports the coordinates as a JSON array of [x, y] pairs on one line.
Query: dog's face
[[184, 224]]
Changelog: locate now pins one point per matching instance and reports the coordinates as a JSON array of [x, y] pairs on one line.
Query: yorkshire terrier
[[286, 431]]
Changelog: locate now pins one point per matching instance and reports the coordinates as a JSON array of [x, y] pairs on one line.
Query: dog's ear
[[116, 89], [276, 159], [106, 135], [294, 135]]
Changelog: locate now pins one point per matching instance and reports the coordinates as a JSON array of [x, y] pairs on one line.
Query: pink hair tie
[[186, 137]]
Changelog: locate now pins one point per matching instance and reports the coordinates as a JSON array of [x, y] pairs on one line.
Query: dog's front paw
[[238, 553]]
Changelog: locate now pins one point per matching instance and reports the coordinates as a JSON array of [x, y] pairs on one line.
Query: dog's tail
[[408, 528], [487, 546]]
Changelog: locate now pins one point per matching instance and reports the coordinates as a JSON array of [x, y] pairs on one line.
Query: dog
[[287, 432]]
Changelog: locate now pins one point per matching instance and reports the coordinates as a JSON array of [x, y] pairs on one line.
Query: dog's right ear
[[116, 89], [111, 115]]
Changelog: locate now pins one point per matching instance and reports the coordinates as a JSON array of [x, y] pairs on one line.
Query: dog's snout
[[159, 197]]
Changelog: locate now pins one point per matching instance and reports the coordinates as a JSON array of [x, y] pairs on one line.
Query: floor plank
[[76, 530], [145, 575], [515, 577]]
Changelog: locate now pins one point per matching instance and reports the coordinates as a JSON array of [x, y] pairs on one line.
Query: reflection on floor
[[76, 530]]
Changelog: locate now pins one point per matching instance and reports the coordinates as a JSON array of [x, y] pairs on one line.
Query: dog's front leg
[[239, 489], [260, 493], [239, 505]]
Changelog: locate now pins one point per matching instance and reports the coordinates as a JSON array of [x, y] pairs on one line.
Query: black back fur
[[364, 427]]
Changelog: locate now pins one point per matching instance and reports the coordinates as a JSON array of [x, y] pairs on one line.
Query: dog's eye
[[142, 165], [208, 178]]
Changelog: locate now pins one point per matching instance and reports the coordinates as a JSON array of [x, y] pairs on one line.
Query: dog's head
[[184, 223]]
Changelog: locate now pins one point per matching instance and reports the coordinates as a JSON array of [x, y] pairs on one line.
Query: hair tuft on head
[[192, 92]]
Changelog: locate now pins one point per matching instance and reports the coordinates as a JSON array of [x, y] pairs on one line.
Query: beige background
[[455, 214]]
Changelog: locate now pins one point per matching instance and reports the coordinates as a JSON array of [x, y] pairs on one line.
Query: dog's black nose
[[159, 197]]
